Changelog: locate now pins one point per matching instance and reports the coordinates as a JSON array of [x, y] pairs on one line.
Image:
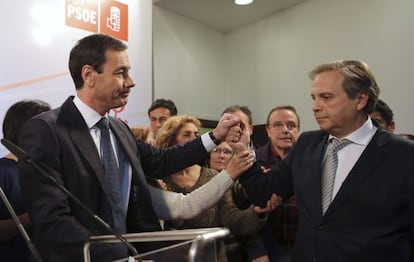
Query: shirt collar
[[362, 135], [90, 116]]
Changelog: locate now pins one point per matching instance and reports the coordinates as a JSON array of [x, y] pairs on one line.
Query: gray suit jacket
[[60, 139], [371, 216]]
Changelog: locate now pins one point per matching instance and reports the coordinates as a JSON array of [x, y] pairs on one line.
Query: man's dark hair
[[385, 111], [236, 108], [163, 103], [91, 50], [17, 115]]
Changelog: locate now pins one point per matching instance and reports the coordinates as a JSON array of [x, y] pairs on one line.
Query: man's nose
[[316, 106], [129, 82]]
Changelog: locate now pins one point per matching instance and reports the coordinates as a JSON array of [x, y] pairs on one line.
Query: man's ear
[[251, 127], [391, 127], [362, 101], [88, 75], [268, 131]]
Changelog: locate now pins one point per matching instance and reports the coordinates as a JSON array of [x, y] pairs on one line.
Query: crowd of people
[[341, 193]]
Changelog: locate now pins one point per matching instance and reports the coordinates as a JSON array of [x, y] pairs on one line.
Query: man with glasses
[[282, 127]]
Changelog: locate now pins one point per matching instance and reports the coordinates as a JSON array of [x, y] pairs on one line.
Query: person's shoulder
[[397, 141], [119, 123], [393, 143], [116, 119], [309, 142], [47, 119], [263, 149], [314, 136]]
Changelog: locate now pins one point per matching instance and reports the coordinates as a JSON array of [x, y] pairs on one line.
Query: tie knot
[[103, 123], [338, 144]]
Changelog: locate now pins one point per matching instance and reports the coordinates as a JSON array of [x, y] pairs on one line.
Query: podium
[[192, 245]]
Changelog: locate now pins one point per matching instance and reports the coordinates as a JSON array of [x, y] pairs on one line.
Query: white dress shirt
[[349, 155]]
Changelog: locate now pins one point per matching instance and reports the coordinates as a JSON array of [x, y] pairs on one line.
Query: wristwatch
[[215, 140]]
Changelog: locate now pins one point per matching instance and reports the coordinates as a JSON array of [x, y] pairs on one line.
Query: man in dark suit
[[367, 213], [68, 141]]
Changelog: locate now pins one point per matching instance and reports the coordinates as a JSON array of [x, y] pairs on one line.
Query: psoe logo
[[105, 16], [114, 19], [82, 14]]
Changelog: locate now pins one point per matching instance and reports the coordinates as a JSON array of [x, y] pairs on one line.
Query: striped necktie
[[329, 170]]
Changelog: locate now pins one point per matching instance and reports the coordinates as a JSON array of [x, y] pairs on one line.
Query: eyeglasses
[[280, 126], [225, 151]]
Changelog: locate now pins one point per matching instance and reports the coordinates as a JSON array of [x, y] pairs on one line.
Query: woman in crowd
[[12, 245], [178, 130]]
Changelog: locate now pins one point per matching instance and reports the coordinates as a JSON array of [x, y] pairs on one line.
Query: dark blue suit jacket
[[61, 140], [371, 216]]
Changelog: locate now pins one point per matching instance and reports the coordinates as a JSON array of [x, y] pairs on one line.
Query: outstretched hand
[[226, 122], [271, 205], [239, 163]]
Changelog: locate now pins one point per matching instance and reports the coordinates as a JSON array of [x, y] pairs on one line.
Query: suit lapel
[[363, 169], [308, 174], [87, 148], [316, 176], [79, 133], [118, 131]]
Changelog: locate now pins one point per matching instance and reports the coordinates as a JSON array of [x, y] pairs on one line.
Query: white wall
[[266, 63], [188, 64]]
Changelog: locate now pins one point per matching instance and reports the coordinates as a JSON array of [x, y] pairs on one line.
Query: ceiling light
[[243, 2]]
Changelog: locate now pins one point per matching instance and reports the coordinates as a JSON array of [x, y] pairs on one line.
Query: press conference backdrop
[[37, 37]]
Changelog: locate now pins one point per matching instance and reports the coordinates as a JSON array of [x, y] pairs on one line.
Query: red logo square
[[114, 19]]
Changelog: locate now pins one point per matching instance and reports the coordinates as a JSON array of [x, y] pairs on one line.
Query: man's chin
[[324, 127], [323, 123], [122, 102]]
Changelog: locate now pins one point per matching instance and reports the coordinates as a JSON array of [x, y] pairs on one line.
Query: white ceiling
[[223, 15]]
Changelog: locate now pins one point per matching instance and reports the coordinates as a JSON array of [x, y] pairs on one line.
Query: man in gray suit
[[356, 203], [70, 141]]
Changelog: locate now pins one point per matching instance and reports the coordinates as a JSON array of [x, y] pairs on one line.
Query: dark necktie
[[329, 170], [112, 176]]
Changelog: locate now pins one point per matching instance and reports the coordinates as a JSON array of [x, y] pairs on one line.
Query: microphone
[[41, 168], [20, 227]]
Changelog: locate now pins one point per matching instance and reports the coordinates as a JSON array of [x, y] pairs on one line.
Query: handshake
[[233, 131]]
